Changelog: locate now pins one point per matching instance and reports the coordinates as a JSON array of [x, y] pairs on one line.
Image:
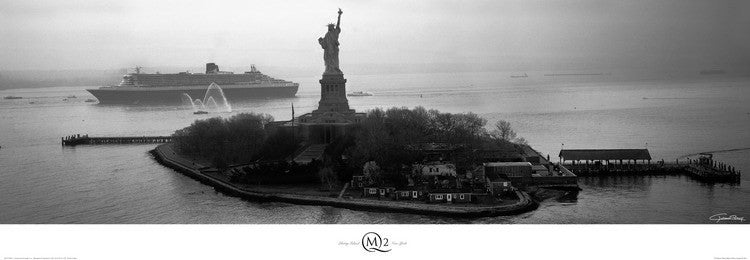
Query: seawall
[[166, 157]]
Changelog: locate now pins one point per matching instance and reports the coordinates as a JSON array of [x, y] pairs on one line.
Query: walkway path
[[314, 151]]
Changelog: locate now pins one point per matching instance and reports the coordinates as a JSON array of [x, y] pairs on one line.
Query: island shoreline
[[170, 160]]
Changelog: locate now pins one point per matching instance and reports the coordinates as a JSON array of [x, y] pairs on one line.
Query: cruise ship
[[145, 88]]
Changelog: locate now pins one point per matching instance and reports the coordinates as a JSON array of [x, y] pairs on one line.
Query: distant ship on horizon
[[359, 94], [714, 71], [575, 74], [520, 76], [147, 88]]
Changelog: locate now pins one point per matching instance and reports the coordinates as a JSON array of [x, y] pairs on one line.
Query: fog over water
[[378, 36], [43, 182]]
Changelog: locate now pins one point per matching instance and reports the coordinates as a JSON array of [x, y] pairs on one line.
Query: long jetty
[[78, 139], [703, 169], [602, 162]]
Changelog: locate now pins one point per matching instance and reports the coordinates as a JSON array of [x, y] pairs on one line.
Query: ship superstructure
[[137, 88]]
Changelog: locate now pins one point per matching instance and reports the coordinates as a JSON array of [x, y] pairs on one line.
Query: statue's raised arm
[[338, 22]]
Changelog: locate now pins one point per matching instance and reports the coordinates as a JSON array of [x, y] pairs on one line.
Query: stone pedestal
[[333, 95], [333, 116]]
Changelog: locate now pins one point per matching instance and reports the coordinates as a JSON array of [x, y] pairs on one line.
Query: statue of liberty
[[330, 44]]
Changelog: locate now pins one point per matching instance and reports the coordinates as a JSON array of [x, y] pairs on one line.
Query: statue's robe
[[330, 44]]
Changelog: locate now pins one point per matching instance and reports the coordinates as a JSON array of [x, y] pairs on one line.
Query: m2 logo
[[372, 242]]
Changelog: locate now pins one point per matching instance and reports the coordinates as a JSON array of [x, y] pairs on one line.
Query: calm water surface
[[42, 182]]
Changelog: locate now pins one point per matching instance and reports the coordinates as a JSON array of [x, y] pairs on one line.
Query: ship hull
[[166, 95]]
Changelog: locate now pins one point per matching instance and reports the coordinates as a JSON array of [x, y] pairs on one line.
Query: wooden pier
[[706, 168], [78, 139], [594, 163]]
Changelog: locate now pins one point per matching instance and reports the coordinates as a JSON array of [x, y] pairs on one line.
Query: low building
[[358, 181], [437, 169], [378, 192], [411, 194], [540, 170], [386, 191], [370, 192], [498, 184], [477, 173], [519, 173], [608, 156], [449, 197]]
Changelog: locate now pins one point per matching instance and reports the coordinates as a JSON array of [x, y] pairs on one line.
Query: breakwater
[[78, 139], [167, 157]]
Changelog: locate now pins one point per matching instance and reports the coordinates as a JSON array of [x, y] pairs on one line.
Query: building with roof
[[497, 184], [604, 155], [519, 173], [410, 194], [436, 169], [379, 192], [449, 197]]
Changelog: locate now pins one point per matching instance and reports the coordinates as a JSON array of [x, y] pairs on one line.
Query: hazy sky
[[513, 35]]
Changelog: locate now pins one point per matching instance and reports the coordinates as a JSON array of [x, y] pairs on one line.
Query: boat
[[575, 74], [200, 112], [520, 76], [359, 94], [713, 71], [12, 97], [158, 88], [72, 96], [90, 100]]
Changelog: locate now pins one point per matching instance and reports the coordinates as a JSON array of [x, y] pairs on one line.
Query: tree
[[372, 139], [240, 138], [371, 171], [392, 138], [503, 131]]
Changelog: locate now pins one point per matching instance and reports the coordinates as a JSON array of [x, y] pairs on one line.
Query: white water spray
[[213, 100]]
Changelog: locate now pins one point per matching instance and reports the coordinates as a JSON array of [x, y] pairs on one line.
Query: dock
[[617, 162], [78, 139], [707, 169]]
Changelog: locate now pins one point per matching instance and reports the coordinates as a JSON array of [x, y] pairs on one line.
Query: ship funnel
[[212, 68]]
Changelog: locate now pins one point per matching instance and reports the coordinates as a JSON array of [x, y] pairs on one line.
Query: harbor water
[[674, 117]]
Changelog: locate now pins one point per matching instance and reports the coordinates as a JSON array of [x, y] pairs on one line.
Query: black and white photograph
[[374, 128]]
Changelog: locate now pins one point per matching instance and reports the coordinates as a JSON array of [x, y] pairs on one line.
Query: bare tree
[[503, 131]]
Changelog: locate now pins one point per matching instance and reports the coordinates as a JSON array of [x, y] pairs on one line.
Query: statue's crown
[[331, 25]]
